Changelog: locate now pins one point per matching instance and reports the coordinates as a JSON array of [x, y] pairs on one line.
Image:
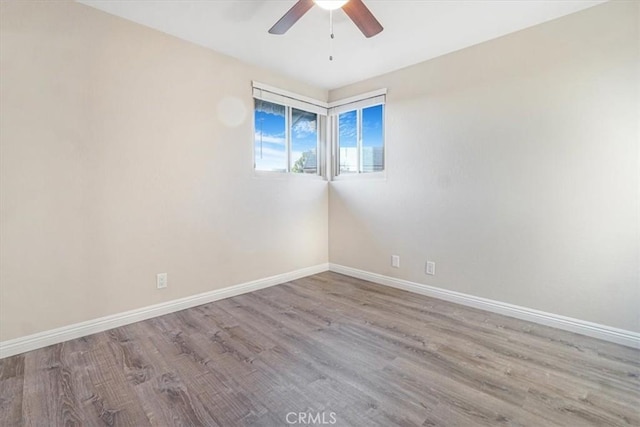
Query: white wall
[[118, 161], [513, 164]]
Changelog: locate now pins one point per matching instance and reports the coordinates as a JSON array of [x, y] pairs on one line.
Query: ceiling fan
[[355, 9]]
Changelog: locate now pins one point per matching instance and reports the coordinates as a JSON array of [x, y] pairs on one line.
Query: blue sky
[[270, 134], [372, 134], [304, 133], [348, 129]]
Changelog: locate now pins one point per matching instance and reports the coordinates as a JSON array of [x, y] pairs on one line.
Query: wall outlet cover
[[395, 261], [161, 280], [431, 268]]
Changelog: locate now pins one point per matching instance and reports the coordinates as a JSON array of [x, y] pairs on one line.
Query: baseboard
[[55, 336], [595, 330]]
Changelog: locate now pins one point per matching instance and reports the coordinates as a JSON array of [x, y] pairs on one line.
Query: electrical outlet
[[395, 261], [430, 268], [161, 280]]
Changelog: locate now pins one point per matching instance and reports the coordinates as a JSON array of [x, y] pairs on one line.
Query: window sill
[[286, 175], [368, 176]]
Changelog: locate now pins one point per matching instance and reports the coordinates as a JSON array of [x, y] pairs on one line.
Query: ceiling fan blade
[[362, 17], [291, 17]]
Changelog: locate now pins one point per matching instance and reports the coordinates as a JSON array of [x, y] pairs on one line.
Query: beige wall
[[116, 164], [513, 164]]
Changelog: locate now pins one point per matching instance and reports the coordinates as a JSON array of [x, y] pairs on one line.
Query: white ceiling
[[414, 31]]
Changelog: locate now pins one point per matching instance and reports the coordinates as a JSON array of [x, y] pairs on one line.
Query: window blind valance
[[378, 97], [271, 94], [268, 93]]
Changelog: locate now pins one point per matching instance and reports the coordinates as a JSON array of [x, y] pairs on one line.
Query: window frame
[[319, 150], [289, 101], [327, 130], [357, 104]]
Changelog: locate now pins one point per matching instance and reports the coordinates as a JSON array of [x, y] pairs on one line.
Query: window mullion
[[288, 122], [332, 158], [319, 151], [359, 139]]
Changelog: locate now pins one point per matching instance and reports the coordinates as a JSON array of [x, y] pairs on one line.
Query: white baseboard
[[58, 335], [595, 330], [65, 333]]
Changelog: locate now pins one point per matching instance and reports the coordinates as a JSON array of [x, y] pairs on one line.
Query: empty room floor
[[341, 350]]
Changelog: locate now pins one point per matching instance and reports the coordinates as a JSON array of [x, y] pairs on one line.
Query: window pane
[[348, 142], [304, 141], [372, 139], [270, 136]]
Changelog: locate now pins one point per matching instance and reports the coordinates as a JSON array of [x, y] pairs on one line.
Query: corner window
[[359, 134], [300, 135]]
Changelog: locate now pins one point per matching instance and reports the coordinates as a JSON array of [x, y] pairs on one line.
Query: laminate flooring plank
[[48, 394], [12, 367], [11, 388], [11, 401], [205, 371], [461, 401], [75, 356], [127, 347], [113, 400]]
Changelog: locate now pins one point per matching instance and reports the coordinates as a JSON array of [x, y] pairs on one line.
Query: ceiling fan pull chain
[[331, 35]]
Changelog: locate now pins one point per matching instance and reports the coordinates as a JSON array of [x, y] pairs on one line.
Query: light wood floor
[[372, 356]]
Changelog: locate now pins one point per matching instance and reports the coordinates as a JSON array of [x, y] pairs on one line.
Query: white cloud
[[304, 127], [347, 126], [269, 139], [270, 159]]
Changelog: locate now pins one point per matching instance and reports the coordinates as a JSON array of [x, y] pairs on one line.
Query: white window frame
[[327, 147], [356, 103], [290, 101]]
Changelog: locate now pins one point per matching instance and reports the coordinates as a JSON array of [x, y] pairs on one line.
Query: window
[[304, 142], [372, 150], [286, 139], [348, 142], [270, 136], [295, 134], [361, 140], [359, 134], [287, 131]]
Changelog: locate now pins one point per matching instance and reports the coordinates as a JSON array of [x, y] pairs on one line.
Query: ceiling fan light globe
[[331, 4]]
